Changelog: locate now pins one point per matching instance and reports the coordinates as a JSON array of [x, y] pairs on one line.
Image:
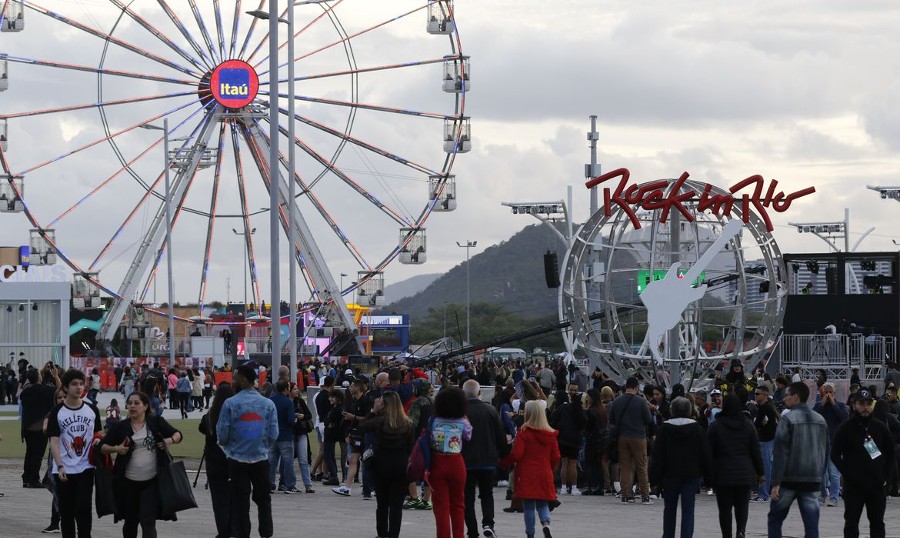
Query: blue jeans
[[832, 479], [283, 450], [673, 488], [301, 450], [809, 512], [766, 448], [529, 506]]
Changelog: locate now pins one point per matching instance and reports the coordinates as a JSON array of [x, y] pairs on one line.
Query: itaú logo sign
[[234, 84], [17, 273]]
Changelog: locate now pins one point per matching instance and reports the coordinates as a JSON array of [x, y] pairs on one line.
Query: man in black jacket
[[765, 422], [863, 451], [37, 402], [481, 454]]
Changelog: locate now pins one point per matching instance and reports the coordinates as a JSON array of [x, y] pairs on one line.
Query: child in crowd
[[113, 414]]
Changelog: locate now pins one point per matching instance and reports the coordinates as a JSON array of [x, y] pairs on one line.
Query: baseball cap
[[717, 391], [348, 371], [862, 395]]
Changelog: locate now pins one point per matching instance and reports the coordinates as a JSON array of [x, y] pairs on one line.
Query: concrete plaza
[[24, 512]]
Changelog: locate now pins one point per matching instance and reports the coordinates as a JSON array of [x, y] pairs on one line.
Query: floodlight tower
[[892, 193]]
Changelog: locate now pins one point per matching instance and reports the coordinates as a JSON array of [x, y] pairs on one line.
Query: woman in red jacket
[[535, 453]]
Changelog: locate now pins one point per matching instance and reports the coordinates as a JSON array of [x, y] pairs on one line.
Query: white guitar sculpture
[[666, 299]]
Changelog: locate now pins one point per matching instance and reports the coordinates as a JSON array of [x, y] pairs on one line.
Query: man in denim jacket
[[799, 457], [247, 427]]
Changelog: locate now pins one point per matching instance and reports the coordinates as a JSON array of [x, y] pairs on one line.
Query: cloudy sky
[[801, 91]]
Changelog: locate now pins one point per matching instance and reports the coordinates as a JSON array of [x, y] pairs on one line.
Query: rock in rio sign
[[652, 195], [234, 84]]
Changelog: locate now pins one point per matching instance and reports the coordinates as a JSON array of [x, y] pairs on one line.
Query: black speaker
[[551, 269]]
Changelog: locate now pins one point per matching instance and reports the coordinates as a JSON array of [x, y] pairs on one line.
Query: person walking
[[737, 464], [481, 454], [568, 419], [217, 463], [393, 443], [36, 401], [246, 428], [183, 390], [801, 439], [449, 430], [420, 413], [48, 482], [302, 428], [596, 443], [680, 458], [535, 453], [281, 453], [630, 417], [863, 452], [140, 443], [766, 421], [834, 413], [71, 426], [322, 407]]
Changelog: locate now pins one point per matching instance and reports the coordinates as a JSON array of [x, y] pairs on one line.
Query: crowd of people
[[550, 430]]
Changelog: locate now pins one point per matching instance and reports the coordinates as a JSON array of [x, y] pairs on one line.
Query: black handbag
[[104, 496], [174, 488]]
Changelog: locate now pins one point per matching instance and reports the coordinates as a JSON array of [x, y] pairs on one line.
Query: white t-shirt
[[75, 429], [142, 465]]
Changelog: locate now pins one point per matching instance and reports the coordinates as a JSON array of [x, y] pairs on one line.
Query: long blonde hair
[[536, 416], [396, 417]]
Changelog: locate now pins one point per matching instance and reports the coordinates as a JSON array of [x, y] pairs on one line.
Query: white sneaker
[[575, 490], [710, 491], [502, 483], [343, 490], [562, 490]]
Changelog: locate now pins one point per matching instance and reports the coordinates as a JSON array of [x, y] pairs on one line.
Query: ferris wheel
[[380, 118]]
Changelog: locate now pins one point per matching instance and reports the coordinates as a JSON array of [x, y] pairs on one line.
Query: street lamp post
[[274, 19], [168, 202], [468, 245]]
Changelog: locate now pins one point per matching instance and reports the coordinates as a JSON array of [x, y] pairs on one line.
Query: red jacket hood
[[544, 437]]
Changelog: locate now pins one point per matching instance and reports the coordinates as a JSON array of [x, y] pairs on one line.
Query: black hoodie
[[735, 450], [680, 451]]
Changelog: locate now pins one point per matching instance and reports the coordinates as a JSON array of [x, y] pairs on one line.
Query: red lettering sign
[[652, 195]]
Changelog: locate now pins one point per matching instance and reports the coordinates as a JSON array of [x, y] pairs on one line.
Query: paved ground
[[24, 512]]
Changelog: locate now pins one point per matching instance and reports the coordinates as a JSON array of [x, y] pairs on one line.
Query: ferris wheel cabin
[[444, 199], [11, 189], [4, 75], [454, 127], [13, 17], [412, 246], [456, 74], [42, 250], [371, 291], [440, 17], [85, 293]]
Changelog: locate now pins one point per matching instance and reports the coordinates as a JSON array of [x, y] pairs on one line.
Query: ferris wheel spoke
[[317, 203], [131, 214], [266, 37], [234, 28], [106, 182], [105, 138], [333, 168], [186, 34], [253, 23], [158, 34], [349, 37], [220, 31], [365, 145], [245, 214], [360, 70], [84, 106], [366, 106], [90, 69], [204, 32], [211, 222], [109, 38]]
